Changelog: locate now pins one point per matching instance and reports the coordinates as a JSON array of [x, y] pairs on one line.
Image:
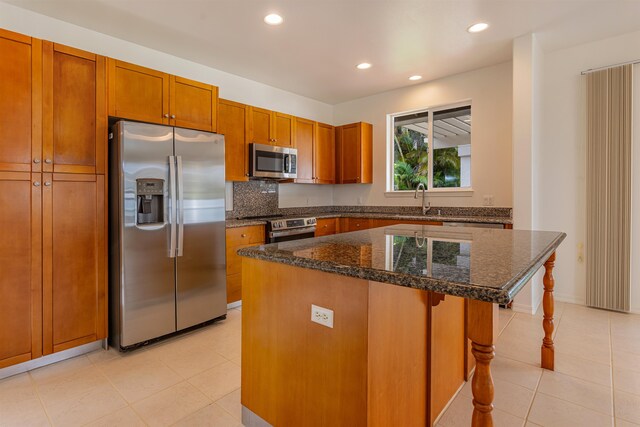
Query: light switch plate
[[322, 316]]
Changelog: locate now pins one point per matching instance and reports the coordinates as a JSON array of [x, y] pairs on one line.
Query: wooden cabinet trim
[[74, 51], [6, 34]]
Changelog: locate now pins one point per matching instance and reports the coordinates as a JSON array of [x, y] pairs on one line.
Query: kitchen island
[[406, 305]]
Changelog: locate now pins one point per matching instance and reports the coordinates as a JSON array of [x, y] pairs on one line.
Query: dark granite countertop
[[232, 223], [478, 263]]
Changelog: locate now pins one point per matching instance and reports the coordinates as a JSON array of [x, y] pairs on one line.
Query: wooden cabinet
[[74, 111], [237, 238], [325, 154], [21, 102], [270, 127], [354, 153], [74, 260], [316, 151], [139, 93], [20, 264], [53, 133], [233, 123], [304, 132], [388, 222], [355, 224], [326, 226]]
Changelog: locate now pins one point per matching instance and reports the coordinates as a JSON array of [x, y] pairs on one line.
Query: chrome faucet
[[425, 209]]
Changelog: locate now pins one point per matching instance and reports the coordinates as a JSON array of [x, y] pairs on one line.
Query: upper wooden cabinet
[[21, 102], [193, 105], [324, 154], [233, 124], [354, 153], [304, 132], [316, 151], [270, 127], [74, 110], [147, 95]]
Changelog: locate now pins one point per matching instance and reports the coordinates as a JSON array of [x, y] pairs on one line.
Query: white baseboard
[[234, 304], [52, 358]]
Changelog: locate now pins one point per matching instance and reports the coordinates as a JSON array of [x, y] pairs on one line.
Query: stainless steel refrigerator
[[166, 230]]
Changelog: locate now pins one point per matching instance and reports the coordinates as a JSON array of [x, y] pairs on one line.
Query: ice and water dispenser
[[150, 201]]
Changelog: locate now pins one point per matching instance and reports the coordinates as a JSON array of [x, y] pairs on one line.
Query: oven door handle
[[305, 230]]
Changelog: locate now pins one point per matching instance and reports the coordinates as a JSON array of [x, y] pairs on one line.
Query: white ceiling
[[315, 51]]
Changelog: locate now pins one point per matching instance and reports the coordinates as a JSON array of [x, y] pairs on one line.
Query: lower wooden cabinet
[[20, 267], [237, 238], [53, 258], [355, 224], [74, 261], [326, 226]]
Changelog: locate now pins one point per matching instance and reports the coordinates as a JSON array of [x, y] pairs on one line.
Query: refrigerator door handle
[[180, 208], [173, 207]]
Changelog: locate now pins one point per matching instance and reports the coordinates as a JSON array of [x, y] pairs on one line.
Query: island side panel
[[398, 336], [294, 371], [448, 350]]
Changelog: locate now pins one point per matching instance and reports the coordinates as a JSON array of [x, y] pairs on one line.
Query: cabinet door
[[20, 264], [326, 226], [260, 126], [193, 104], [356, 224], [74, 261], [282, 130], [350, 153], [233, 124], [304, 135], [325, 154], [20, 103], [137, 93], [74, 113]]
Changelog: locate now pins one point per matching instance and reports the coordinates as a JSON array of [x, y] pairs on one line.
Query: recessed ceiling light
[[415, 77], [476, 28], [273, 19], [363, 66]]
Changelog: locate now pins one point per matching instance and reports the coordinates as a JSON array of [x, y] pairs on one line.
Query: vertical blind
[[609, 123]]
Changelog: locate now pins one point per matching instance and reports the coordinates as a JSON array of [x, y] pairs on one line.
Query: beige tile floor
[[194, 380]]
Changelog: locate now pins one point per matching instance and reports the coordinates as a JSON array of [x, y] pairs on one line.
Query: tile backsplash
[[254, 198]]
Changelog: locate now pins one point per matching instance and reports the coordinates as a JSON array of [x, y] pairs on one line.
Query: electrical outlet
[[580, 252], [322, 316], [359, 200], [487, 200]]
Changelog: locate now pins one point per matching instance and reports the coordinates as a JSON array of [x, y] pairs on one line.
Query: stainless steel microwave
[[268, 161]]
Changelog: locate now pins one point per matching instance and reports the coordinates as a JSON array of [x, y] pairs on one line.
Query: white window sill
[[447, 192]]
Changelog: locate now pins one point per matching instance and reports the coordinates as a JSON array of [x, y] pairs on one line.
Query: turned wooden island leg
[[482, 333], [547, 351]]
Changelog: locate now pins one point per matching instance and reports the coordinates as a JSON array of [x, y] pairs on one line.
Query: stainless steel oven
[[267, 161], [282, 230]]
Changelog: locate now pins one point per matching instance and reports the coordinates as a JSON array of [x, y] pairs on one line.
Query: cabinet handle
[[243, 235], [36, 183], [246, 174], [47, 161], [166, 116], [324, 226], [47, 184], [36, 160], [173, 116]]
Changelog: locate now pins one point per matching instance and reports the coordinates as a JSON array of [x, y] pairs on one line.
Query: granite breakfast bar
[[406, 302]]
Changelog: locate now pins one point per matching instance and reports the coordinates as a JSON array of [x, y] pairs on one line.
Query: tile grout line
[[34, 384]]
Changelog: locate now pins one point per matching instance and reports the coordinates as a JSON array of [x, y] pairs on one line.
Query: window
[[443, 163]]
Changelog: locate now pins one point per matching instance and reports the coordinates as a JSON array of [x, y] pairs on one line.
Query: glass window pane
[[452, 148], [411, 150]]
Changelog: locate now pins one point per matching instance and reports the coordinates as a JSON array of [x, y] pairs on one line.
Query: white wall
[[559, 172], [527, 81], [231, 86], [489, 90]]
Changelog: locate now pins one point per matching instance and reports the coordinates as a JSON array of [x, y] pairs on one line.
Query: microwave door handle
[[287, 163]]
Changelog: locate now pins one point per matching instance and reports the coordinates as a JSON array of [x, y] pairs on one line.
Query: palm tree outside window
[[444, 163]]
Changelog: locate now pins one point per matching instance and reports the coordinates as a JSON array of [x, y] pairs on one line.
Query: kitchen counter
[[232, 223], [386, 322], [483, 264]]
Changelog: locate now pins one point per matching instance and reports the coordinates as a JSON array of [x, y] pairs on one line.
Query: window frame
[[448, 191]]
